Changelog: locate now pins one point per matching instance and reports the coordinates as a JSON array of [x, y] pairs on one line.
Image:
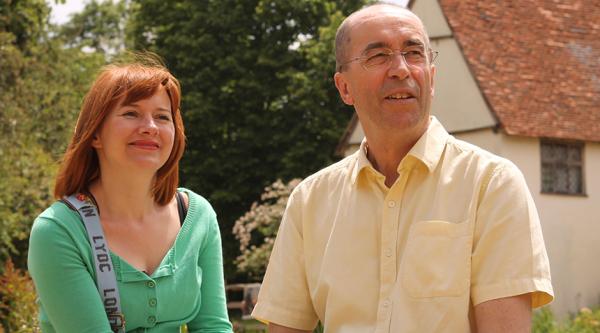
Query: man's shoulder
[[463, 147], [479, 157], [333, 174]]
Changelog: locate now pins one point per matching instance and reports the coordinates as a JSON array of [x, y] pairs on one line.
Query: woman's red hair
[[120, 84]]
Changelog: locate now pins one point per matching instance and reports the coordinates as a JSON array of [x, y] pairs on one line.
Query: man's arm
[[508, 314], [274, 328]]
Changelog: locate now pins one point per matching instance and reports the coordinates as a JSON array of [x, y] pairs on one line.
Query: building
[[522, 79]]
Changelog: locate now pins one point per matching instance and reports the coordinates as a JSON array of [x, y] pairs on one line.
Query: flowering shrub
[[256, 230], [18, 311], [585, 321]]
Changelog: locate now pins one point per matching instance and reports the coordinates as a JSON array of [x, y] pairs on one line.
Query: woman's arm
[[213, 311], [65, 287]]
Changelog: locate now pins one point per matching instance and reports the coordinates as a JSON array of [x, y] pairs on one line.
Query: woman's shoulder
[[55, 235], [58, 215], [197, 202]]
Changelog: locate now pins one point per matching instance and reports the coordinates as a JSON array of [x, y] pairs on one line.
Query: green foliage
[[259, 101], [585, 321], [41, 87], [17, 301], [42, 83], [256, 230], [99, 27], [25, 20], [543, 321]]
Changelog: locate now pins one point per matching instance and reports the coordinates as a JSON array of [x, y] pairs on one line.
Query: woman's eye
[[129, 114], [164, 117]]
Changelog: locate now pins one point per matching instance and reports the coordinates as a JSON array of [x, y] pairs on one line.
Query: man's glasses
[[382, 58]]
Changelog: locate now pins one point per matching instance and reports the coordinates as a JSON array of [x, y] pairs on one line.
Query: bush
[[256, 230], [585, 321], [18, 310]]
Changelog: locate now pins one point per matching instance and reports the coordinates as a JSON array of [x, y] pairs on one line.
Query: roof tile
[[537, 62]]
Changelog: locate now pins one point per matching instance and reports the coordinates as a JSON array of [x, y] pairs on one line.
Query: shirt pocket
[[436, 261]]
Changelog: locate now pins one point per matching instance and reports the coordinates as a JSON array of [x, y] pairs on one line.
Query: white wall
[[457, 103], [571, 224]]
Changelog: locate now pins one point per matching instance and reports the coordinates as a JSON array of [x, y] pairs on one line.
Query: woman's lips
[[144, 144]]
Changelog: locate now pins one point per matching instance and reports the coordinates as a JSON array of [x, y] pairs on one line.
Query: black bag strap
[[105, 274], [181, 207]]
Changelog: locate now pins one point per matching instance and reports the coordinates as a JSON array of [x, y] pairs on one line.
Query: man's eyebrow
[[407, 43], [413, 42], [376, 45]]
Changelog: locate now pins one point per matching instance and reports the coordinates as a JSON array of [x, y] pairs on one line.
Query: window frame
[[568, 163]]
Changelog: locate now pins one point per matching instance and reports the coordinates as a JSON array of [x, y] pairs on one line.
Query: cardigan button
[[151, 320]]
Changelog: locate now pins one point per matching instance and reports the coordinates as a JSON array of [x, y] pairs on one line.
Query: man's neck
[[386, 152], [386, 159]]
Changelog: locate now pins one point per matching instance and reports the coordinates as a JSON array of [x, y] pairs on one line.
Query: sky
[[60, 13]]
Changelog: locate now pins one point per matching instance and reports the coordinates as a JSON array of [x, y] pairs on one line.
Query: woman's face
[[138, 136]]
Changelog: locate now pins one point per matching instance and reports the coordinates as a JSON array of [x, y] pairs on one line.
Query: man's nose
[[398, 66]]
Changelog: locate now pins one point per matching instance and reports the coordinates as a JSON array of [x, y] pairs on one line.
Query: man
[[415, 232]]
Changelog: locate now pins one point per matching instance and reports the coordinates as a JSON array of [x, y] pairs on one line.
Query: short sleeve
[[509, 256], [284, 297]]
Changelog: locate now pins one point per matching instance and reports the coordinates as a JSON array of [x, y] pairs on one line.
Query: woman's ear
[[96, 142]]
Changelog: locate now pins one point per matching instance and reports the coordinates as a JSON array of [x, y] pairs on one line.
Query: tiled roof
[[537, 62]]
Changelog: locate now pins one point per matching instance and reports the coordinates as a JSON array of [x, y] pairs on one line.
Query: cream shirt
[[457, 228]]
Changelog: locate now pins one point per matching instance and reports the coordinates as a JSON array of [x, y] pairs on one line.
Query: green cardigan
[[186, 288]]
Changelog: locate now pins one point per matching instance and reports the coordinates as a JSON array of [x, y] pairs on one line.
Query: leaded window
[[562, 167]]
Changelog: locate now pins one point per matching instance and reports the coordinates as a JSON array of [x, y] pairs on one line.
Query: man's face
[[395, 96]]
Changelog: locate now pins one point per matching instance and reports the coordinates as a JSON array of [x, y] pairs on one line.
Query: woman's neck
[[124, 196]]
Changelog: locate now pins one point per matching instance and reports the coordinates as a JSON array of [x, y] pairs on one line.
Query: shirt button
[[388, 253], [151, 320], [150, 284], [152, 302], [386, 303], [391, 204]]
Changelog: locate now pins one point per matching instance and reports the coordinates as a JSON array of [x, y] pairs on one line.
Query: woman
[[164, 243]]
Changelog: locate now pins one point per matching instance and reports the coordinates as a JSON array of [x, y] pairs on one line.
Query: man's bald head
[[343, 36]]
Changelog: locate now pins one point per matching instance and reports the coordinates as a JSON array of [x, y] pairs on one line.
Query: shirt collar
[[428, 149], [431, 145]]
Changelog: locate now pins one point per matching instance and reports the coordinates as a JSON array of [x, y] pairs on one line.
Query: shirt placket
[[388, 254]]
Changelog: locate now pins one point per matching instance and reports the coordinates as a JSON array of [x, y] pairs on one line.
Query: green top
[[186, 288]]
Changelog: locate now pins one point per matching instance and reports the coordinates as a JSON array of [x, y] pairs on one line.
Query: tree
[[258, 99], [99, 27], [41, 87]]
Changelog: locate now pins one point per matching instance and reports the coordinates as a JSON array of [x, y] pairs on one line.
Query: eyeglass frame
[[433, 54]]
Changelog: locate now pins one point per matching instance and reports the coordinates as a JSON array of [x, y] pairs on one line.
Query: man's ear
[[342, 86]]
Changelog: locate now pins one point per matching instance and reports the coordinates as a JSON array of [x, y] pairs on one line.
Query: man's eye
[[415, 54], [377, 59], [378, 55]]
